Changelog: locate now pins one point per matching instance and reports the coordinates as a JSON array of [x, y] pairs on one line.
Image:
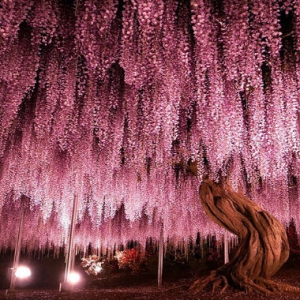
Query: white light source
[[73, 278], [23, 272], [97, 268]]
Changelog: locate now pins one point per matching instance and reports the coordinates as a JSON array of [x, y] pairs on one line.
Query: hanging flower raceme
[[97, 33]]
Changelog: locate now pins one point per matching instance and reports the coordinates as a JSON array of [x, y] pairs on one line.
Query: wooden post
[[226, 254], [160, 257], [71, 250], [17, 250]]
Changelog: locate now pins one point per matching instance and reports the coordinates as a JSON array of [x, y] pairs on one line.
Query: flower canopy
[[113, 101]]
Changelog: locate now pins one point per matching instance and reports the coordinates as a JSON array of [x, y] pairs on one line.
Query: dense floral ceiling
[[112, 101]]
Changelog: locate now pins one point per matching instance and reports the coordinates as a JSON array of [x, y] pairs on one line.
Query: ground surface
[[144, 287]]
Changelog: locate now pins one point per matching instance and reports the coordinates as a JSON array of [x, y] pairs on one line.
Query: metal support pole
[[226, 254], [17, 251], [160, 257], [71, 252]]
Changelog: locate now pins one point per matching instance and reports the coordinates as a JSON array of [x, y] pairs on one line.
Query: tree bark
[[263, 246]]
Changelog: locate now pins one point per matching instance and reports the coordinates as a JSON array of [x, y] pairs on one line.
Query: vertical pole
[[17, 251], [226, 255], [74, 252], [71, 252], [160, 257], [186, 250]]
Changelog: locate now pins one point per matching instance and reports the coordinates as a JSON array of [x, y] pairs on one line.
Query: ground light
[[73, 278], [20, 274], [97, 269], [23, 272]]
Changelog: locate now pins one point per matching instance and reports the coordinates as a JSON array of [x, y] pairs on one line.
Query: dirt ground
[[144, 287]]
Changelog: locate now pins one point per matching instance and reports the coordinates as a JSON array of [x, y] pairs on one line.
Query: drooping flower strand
[[129, 40], [95, 23], [47, 92], [18, 80], [265, 22], [296, 23], [149, 17], [238, 45], [12, 14], [43, 19]]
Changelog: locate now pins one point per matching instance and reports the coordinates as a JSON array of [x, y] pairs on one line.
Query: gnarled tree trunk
[[263, 246]]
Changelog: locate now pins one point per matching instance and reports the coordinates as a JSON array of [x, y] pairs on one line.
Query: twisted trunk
[[263, 247]]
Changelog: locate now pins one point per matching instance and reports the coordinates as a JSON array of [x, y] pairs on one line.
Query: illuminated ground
[[144, 287]]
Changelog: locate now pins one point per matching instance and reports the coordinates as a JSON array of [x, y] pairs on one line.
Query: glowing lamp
[[97, 269], [73, 278], [23, 272]]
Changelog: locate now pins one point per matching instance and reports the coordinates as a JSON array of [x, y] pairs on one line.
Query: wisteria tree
[[263, 247], [119, 101]]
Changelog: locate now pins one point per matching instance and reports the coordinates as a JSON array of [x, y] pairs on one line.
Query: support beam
[[226, 253], [71, 250], [160, 257], [17, 250]]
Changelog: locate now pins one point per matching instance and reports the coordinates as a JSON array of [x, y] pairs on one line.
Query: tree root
[[277, 286], [259, 285], [213, 279]]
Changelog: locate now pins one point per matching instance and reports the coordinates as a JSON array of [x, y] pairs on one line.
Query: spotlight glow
[[73, 278], [97, 268], [23, 272]]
